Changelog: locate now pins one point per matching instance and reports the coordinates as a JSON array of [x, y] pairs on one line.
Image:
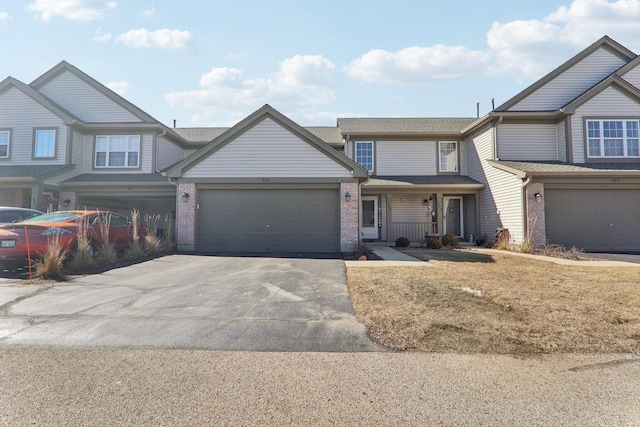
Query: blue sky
[[213, 63]]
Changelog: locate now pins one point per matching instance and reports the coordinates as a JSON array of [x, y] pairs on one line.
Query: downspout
[[525, 182]]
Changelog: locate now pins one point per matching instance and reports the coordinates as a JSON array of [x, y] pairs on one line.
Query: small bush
[[153, 244], [402, 242], [50, 265], [434, 244], [483, 241], [450, 239], [503, 239]]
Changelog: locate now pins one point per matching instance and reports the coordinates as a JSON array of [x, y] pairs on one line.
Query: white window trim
[[8, 132], [441, 167], [601, 138], [373, 153], [35, 142], [126, 152]]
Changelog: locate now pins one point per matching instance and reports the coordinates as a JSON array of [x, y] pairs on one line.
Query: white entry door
[[369, 217], [453, 216]]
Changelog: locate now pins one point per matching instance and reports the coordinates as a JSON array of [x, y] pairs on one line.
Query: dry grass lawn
[[524, 306]]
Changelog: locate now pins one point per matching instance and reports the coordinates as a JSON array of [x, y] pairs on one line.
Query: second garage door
[[596, 220], [268, 220]]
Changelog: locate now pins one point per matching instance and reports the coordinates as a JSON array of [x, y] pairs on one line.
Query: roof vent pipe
[[477, 110], [174, 123]]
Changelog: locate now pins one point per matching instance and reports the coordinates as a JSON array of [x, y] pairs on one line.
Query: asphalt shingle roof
[[411, 125], [28, 171], [559, 167], [420, 180], [118, 178]]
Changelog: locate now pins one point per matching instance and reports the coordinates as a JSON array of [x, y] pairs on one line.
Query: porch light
[[347, 197], [185, 197], [538, 196], [66, 203]]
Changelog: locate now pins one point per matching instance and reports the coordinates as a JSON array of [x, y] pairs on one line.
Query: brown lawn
[[470, 302]]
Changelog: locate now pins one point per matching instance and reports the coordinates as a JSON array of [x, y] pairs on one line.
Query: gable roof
[[66, 116], [604, 42], [524, 169], [613, 80], [249, 122]]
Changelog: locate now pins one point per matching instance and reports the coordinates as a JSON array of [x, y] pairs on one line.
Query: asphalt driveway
[[190, 301]]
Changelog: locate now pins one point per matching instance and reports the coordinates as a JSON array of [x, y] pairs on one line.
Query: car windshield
[[53, 217]]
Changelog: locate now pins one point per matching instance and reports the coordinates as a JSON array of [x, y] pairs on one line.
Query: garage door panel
[[597, 220], [268, 220]]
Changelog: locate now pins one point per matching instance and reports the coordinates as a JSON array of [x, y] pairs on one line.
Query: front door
[[453, 216], [369, 218]]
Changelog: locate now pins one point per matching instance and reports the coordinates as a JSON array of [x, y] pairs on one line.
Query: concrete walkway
[[390, 258]]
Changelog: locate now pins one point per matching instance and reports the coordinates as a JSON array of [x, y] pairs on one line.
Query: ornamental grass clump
[[107, 253], [153, 243], [135, 250], [50, 265], [83, 251], [168, 237]]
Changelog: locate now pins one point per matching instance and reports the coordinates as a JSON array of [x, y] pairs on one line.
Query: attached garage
[[268, 220], [593, 219]]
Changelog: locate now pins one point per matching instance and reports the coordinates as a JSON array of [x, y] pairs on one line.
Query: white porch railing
[[414, 231]]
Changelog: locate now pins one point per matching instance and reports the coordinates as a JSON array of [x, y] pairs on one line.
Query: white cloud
[[121, 87], [4, 16], [149, 12], [417, 64], [301, 83], [101, 36], [524, 48], [161, 39], [74, 10]]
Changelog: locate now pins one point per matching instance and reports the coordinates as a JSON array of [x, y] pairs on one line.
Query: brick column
[[186, 217], [535, 213], [349, 216]]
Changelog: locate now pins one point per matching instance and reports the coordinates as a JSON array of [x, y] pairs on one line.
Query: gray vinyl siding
[[8, 197], [84, 101], [383, 206], [268, 150], [405, 158], [501, 200], [168, 154], [633, 77], [469, 216], [22, 114], [561, 138], [411, 210], [462, 157], [572, 82], [533, 142], [608, 103]]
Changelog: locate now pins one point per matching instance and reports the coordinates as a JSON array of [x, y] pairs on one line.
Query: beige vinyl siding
[[633, 76], [84, 101], [608, 103], [462, 156], [405, 158], [383, 206], [146, 156], [21, 114], [534, 142], [168, 154], [501, 200], [572, 82], [561, 138], [8, 197], [268, 150]]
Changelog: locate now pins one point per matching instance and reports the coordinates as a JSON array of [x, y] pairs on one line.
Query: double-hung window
[[364, 154], [5, 137], [448, 155], [613, 138], [117, 151], [44, 144]]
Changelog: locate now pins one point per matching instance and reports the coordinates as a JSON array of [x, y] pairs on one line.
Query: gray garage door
[[597, 220], [268, 220]]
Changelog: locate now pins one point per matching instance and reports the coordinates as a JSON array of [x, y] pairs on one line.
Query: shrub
[[483, 241], [450, 239], [107, 252], [135, 250], [50, 264], [434, 244], [151, 240], [402, 242], [503, 239]]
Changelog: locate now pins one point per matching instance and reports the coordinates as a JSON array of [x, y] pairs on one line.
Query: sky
[[212, 63]]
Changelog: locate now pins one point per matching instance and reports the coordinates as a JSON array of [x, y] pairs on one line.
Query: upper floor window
[[117, 151], [5, 136], [448, 154], [613, 138], [364, 154], [44, 144]]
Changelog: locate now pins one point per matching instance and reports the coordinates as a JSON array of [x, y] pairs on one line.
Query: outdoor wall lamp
[[538, 196], [66, 203], [347, 197], [185, 197]]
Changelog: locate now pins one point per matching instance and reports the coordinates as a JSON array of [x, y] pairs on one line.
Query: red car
[[30, 237]]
